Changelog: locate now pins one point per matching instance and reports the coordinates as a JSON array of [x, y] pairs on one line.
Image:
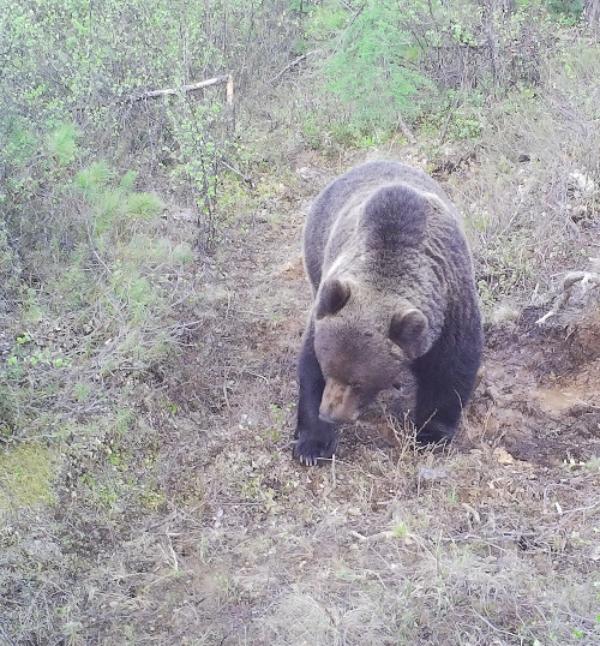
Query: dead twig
[[246, 178], [287, 68], [451, 111], [191, 87], [379, 536], [406, 131]]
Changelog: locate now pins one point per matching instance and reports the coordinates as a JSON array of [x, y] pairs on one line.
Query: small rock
[[432, 474]]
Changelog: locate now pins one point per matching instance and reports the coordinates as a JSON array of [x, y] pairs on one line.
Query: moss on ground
[[26, 473]]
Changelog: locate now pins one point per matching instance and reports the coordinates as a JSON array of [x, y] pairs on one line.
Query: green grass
[[94, 177], [26, 476], [143, 205]]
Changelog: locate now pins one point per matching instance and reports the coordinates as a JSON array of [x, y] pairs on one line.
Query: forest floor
[[495, 541]]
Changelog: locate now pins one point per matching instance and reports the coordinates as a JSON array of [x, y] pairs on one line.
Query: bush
[[390, 63]]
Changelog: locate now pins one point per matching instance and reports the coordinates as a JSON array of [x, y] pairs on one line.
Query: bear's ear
[[408, 329], [333, 295]]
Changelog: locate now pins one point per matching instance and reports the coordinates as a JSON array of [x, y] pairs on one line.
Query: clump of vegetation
[[26, 476], [539, 152], [392, 65]]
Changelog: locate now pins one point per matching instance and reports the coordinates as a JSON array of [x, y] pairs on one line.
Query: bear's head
[[362, 343]]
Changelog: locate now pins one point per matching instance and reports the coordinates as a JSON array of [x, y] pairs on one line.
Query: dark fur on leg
[[445, 380], [315, 438]]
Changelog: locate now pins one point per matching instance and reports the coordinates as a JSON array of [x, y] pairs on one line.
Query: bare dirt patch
[[539, 396]]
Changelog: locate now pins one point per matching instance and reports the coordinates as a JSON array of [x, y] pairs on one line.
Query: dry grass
[[534, 195]]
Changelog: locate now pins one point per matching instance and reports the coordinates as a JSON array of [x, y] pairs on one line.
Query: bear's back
[[333, 210]]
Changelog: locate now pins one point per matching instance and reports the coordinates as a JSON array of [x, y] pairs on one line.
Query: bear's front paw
[[436, 432], [309, 449]]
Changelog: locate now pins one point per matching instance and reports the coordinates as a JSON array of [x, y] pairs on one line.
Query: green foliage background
[[399, 61]]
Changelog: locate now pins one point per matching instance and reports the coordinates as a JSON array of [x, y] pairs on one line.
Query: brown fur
[[340, 401], [394, 290]]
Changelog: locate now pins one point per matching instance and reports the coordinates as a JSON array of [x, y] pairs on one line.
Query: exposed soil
[[539, 395]]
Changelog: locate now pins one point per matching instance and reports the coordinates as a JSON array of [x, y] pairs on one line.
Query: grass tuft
[[26, 475]]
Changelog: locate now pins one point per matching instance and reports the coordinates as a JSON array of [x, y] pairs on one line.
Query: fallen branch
[[191, 87], [587, 280]]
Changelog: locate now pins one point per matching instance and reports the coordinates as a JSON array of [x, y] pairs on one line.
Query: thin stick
[[288, 67], [191, 87]]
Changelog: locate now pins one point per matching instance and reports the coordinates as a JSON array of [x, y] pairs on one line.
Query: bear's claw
[[310, 451]]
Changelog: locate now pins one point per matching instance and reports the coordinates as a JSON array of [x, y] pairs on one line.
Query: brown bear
[[393, 288]]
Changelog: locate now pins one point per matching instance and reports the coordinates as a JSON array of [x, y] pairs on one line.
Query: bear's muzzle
[[340, 403]]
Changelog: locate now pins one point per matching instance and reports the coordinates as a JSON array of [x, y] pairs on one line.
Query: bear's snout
[[339, 403]]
